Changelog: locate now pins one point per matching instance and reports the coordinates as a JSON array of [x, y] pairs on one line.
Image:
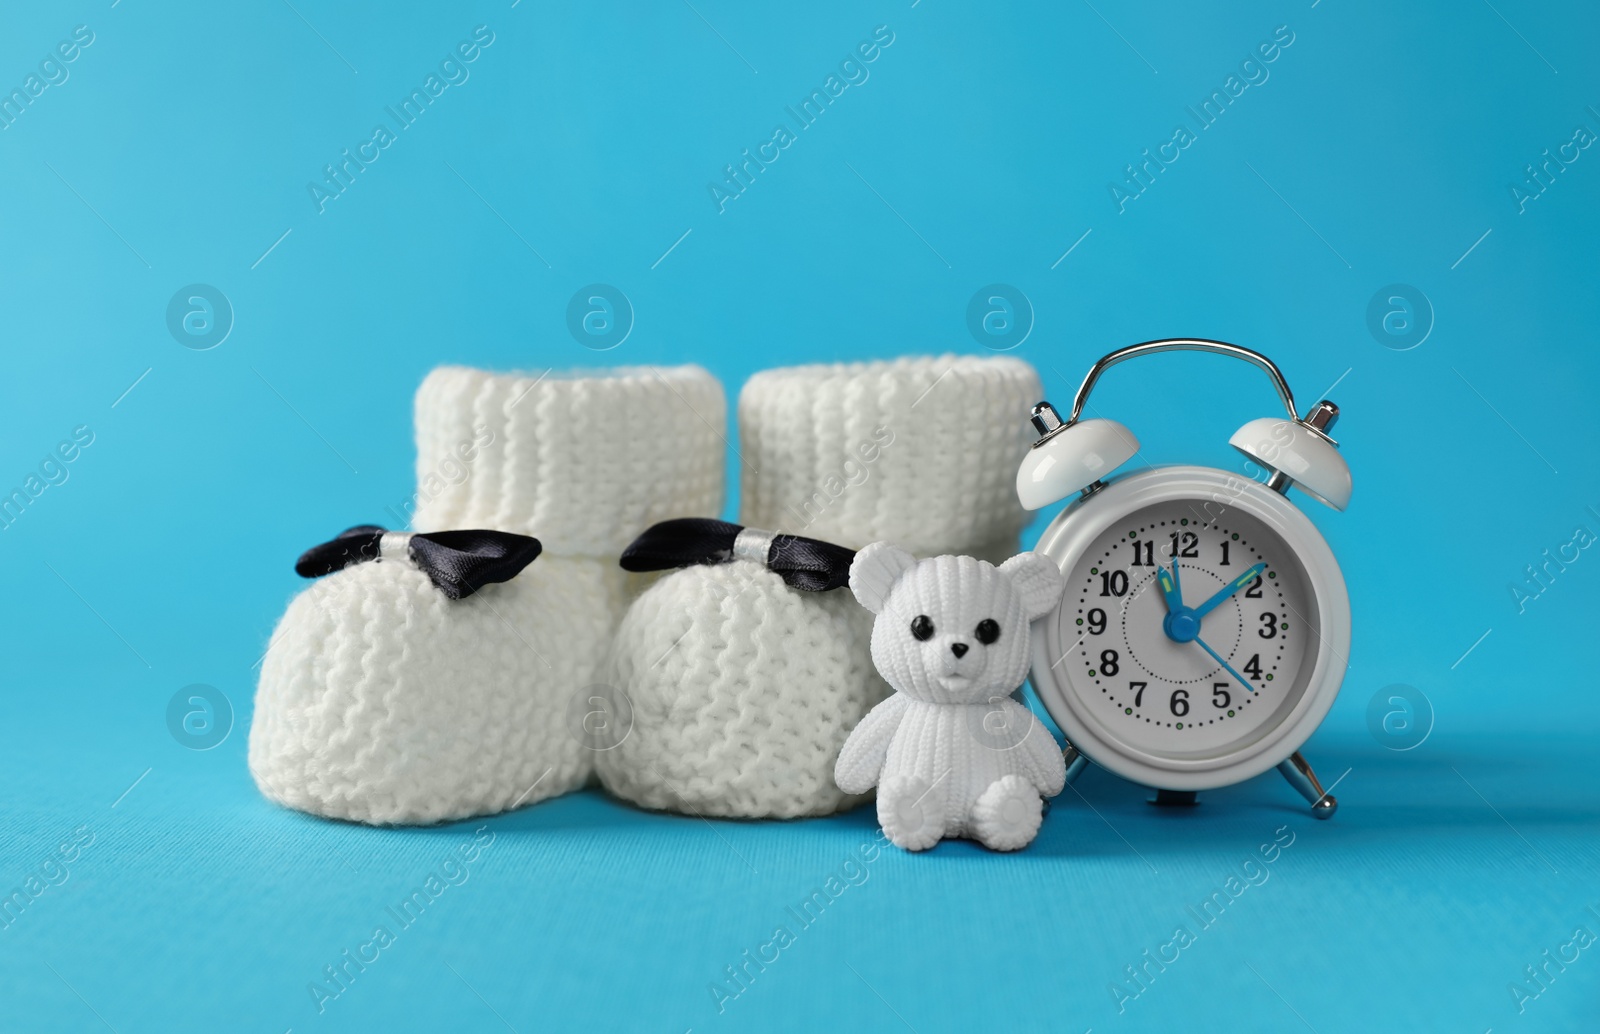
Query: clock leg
[[1175, 799], [1076, 763], [1300, 776]]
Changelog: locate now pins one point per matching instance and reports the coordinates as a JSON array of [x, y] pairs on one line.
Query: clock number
[[1113, 583], [1138, 691], [1254, 592], [1253, 667], [1190, 544], [1225, 544], [1269, 626], [1179, 702], [1144, 553], [1108, 662], [1219, 695], [1097, 621]]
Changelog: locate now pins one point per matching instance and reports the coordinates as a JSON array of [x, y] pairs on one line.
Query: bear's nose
[[959, 649]]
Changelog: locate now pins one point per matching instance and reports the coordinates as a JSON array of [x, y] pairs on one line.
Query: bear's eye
[[922, 627], [988, 631]]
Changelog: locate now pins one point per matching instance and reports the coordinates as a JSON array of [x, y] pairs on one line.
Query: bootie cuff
[[920, 450], [583, 460]]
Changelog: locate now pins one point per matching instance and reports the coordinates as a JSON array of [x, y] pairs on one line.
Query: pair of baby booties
[[390, 694]]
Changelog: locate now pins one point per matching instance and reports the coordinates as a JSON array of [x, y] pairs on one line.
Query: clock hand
[[1218, 658], [1169, 587], [1228, 590]]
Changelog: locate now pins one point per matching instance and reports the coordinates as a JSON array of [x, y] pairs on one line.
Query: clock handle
[[1183, 344], [1298, 771]]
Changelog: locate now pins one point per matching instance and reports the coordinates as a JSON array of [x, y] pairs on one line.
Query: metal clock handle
[[1183, 344]]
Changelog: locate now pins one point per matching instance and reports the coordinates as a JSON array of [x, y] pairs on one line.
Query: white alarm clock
[[1205, 627]]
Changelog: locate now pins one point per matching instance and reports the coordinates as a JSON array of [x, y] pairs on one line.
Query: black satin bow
[[459, 563], [808, 564]]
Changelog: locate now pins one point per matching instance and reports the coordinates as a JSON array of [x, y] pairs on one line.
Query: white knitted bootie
[[743, 689], [384, 700]]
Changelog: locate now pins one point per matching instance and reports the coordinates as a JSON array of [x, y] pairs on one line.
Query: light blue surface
[[1380, 147]]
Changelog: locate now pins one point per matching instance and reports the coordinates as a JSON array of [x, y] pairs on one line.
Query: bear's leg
[[1006, 816], [910, 813]]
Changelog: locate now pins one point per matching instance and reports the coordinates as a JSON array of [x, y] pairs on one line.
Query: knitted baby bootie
[[740, 673], [745, 715], [384, 700]]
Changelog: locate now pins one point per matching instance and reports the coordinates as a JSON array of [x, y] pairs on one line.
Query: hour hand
[[1169, 587], [1228, 590]]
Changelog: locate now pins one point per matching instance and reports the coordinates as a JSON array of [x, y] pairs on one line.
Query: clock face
[[1136, 658]]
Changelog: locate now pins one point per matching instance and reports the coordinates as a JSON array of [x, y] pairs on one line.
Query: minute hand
[[1228, 590], [1218, 658]]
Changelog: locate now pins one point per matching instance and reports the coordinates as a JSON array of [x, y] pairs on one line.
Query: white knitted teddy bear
[[951, 752]]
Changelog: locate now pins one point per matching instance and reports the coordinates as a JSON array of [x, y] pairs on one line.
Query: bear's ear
[[1038, 581], [875, 570]]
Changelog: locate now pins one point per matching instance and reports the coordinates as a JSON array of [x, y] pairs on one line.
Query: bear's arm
[[1041, 757], [861, 759]]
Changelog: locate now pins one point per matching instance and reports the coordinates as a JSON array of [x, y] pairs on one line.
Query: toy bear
[[951, 752]]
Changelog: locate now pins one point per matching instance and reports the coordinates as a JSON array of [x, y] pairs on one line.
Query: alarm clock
[[1205, 627]]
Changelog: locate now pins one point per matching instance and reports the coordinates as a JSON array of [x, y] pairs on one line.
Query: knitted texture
[[922, 451], [383, 701], [952, 754], [741, 691], [582, 461]]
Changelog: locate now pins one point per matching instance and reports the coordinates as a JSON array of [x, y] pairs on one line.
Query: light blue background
[[1381, 148]]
